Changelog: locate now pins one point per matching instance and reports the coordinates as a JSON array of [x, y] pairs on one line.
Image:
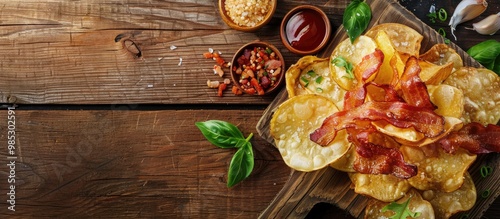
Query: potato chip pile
[[400, 123]]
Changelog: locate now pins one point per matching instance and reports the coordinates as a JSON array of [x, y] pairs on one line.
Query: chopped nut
[[218, 70], [247, 12], [213, 84]]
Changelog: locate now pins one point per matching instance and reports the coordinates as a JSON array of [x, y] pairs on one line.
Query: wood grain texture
[[94, 52], [304, 190], [146, 164], [112, 52], [124, 162]]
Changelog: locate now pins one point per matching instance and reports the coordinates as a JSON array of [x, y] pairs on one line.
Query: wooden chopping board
[[305, 189]]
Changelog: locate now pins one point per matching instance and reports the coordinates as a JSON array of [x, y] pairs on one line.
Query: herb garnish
[[441, 14], [226, 135], [401, 210], [305, 80], [486, 171], [488, 54], [341, 62], [356, 18]]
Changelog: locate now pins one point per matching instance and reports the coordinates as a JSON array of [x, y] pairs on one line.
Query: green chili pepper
[[486, 171], [442, 14], [485, 193]]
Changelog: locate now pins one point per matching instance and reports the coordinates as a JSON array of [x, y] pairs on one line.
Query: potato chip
[[404, 38], [346, 162], [481, 89], [437, 170], [441, 54], [417, 204], [351, 53], [434, 74], [402, 135], [384, 187], [445, 204], [391, 57], [448, 99], [291, 124], [411, 137], [311, 75]]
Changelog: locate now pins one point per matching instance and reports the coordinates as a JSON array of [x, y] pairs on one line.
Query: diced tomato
[[221, 89], [256, 85], [236, 90], [250, 91], [208, 55]]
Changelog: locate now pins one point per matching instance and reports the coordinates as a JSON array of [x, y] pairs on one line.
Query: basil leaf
[[356, 18], [496, 67], [221, 134], [241, 165], [487, 53]]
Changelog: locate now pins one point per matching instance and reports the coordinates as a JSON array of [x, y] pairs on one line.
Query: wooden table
[[105, 111]]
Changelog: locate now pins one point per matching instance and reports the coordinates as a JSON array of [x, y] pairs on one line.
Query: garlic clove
[[466, 10], [488, 26]]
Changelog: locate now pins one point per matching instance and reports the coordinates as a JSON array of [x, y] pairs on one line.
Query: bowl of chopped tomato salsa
[[258, 68]]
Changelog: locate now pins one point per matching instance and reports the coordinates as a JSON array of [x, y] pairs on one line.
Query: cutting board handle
[[306, 189]]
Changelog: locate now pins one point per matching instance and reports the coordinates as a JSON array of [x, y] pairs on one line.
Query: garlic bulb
[[488, 26], [466, 10]]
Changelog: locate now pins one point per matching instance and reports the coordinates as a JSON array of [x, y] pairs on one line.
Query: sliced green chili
[[442, 14], [486, 171], [485, 193], [319, 79], [305, 80], [442, 32], [311, 73]]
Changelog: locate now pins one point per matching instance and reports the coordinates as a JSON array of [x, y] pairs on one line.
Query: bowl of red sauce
[[305, 30], [258, 68]]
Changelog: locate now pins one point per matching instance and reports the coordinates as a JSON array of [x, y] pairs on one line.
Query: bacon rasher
[[369, 66], [377, 159], [414, 89], [399, 114], [412, 109], [475, 138]]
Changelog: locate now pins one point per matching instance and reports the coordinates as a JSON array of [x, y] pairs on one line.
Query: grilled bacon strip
[[413, 88], [475, 138], [410, 108], [377, 159], [369, 66], [399, 114]]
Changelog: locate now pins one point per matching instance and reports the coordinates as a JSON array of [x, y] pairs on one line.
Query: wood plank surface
[[91, 52], [95, 52], [135, 164], [117, 158]]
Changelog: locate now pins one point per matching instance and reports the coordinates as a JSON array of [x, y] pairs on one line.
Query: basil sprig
[[488, 54], [226, 135], [356, 18]]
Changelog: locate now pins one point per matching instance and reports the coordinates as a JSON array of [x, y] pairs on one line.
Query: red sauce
[[305, 30]]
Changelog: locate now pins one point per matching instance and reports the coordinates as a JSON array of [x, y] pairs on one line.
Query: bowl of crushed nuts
[[247, 15], [258, 68]]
